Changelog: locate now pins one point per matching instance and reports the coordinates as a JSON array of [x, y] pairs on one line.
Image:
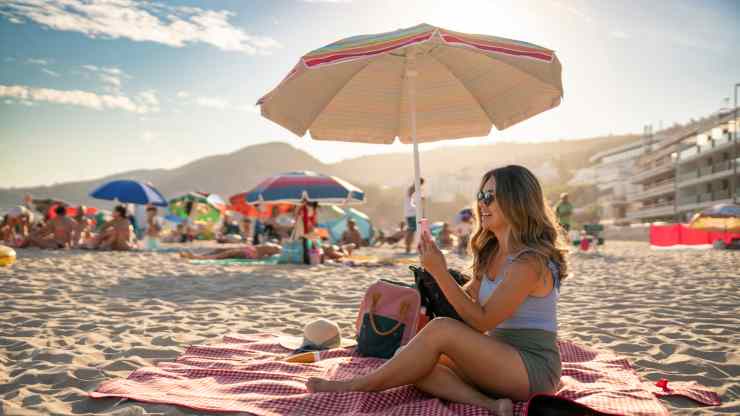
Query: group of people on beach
[[21, 228]]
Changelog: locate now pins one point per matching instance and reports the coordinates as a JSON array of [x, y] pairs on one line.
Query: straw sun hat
[[320, 334]]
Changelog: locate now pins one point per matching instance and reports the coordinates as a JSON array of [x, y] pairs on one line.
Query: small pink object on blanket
[[244, 374]]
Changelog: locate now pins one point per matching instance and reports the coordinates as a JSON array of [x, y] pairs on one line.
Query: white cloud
[[50, 72], [149, 98], [9, 59], [139, 21], [213, 102], [183, 94], [326, 1], [78, 98], [110, 76], [37, 61]]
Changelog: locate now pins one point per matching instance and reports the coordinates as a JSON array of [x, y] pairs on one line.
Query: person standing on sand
[[411, 212], [564, 210], [506, 346], [58, 233]]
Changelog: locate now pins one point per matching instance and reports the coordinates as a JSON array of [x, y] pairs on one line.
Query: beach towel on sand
[[266, 260], [242, 374]]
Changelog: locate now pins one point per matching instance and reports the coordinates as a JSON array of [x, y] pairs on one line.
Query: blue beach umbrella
[[293, 187], [130, 192]]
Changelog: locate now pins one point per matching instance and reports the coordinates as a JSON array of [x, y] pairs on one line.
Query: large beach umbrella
[[130, 192], [419, 84], [722, 217], [294, 187]]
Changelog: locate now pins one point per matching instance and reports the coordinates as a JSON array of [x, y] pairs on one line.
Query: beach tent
[[419, 84], [339, 226], [205, 210]]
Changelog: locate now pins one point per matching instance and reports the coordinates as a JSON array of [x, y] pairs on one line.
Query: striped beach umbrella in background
[[420, 84], [293, 187], [130, 192]]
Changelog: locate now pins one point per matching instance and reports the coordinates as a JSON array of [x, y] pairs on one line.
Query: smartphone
[[424, 227]]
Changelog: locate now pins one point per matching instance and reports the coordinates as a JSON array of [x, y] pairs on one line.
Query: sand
[[72, 319]]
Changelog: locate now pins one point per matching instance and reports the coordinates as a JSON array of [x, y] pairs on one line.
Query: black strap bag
[[432, 297]]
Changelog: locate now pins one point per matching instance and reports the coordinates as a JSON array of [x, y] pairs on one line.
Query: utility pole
[[734, 149]]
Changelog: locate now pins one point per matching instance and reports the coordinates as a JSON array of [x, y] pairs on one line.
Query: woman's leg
[[220, 254], [492, 365], [445, 383]]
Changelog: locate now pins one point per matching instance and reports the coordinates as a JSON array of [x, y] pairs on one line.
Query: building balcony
[[663, 187], [694, 153], [705, 200], [646, 175], [707, 173], [651, 211]]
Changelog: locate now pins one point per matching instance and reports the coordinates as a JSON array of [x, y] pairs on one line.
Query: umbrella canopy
[[238, 203], [419, 84], [205, 210], [722, 217], [132, 192], [294, 187]]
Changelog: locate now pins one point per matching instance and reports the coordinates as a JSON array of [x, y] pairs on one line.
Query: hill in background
[[452, 173]]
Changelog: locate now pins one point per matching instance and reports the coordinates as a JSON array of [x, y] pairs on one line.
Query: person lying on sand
[[394, 238], [58, 233], [114, 234], [248, 251], [505, 347]]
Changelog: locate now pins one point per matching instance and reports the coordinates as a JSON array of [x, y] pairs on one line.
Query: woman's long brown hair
[[533, 225]]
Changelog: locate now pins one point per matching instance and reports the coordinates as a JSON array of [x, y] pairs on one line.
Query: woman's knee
[[441, 326]]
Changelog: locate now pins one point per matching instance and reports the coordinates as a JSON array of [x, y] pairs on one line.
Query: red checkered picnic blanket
[[243, 374]]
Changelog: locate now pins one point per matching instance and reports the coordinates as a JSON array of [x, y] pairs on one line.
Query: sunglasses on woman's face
[[487, 197]]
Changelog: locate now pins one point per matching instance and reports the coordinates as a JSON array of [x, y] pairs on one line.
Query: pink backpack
[[386, 300]]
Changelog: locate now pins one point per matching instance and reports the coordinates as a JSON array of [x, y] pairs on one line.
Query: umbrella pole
[[411, 77]]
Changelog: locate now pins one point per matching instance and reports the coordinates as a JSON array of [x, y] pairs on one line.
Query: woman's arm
[[519, 282]]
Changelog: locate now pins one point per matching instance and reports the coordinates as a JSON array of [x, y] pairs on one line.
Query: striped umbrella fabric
[[419, 84], [356, 89], [293, 187]]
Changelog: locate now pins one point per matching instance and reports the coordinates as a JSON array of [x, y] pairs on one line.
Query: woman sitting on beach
[[506, 347], [115, 234], [58, 233]]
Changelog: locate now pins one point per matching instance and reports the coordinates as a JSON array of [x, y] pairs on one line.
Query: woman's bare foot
[[501, 407], [319, 385]]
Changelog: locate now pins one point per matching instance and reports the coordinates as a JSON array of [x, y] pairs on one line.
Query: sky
[[90, 88]]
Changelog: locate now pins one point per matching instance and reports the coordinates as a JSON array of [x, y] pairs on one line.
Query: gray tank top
[[535, 312]]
